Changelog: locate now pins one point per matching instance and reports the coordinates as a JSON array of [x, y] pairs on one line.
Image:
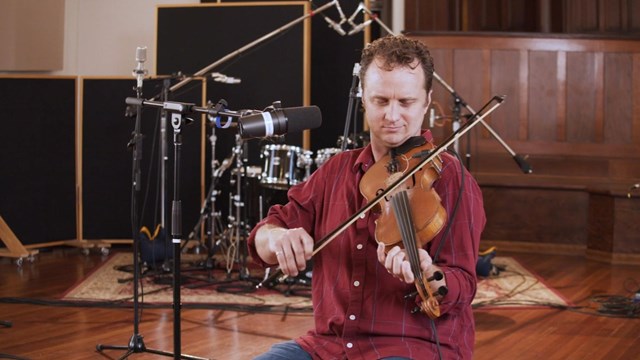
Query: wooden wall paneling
[[633, 16], [488, 15], [601, 223], [525, 15], [627, 226], [581, 97], [613, 13], [470, 84], [523, 103], [581, 16], [599, 97], [624, 168], [441, 98], [613, 227], [561, 81], [432, 15], [635, 95], [542, 16], [618, 98], [542, 103], [487, 90], [563, 223], [569, 90], [505, 80]]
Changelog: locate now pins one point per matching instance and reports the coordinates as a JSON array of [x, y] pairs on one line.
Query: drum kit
[[253, 190]]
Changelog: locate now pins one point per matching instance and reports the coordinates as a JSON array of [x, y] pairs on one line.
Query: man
[[359, 293]]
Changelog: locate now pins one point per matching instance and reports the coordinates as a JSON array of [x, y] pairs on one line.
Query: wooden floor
[[45, 331]]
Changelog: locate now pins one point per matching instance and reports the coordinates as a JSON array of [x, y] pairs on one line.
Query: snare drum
[[284, 166], [324, 154]]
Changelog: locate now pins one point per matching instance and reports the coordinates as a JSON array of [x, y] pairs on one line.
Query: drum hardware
[[238, 227], [284, 166], [209, 216], [325, 154]]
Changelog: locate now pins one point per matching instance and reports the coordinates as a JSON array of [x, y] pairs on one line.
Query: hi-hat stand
[[210, 217], [238, 229], [232, 240]]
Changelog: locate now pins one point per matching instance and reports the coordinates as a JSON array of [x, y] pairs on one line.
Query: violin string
[[409, 233], [402, 209]]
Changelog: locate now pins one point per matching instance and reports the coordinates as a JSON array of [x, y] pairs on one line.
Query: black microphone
[[279, 121]]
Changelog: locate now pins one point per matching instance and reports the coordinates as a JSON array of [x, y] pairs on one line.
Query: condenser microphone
[[356, 29], [139, 72], [279, 121]]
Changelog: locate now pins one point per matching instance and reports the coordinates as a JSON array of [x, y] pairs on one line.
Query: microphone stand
[[136, 343], [522, 163], [455, 125], [353, 96], [166, 83]]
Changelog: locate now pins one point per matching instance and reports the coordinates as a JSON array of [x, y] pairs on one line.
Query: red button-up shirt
[[360, 310]]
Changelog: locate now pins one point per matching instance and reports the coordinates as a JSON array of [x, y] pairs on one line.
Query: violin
[[411, 215]]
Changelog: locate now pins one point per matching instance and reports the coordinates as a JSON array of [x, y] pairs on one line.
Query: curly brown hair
[[398, 50]]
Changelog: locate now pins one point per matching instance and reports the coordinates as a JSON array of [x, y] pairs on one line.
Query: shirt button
[[349, 345], [356, 283], [363, 215], [352, 317], [359, 246]]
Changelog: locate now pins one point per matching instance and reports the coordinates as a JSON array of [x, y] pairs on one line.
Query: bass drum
[[284, 166]]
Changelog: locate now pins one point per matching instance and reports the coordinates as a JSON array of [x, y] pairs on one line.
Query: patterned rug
[[216, 288], [514, 286]]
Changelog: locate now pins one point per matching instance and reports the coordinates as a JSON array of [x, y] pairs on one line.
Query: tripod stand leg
[[136, 346]]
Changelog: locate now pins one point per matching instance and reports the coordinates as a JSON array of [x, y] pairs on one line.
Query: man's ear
[[426, 108]]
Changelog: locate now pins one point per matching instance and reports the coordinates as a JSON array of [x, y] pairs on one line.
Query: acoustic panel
[[107, 178], [37, 158], [193, 38]]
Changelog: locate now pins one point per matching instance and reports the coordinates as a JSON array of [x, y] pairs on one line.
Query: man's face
[[395, 103]]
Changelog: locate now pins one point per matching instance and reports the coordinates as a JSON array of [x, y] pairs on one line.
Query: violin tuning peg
[[436, 276]]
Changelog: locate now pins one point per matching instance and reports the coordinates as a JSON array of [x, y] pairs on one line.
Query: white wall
[[101, 36]]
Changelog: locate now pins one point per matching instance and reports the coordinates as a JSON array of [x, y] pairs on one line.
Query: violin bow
[[486, 109]]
